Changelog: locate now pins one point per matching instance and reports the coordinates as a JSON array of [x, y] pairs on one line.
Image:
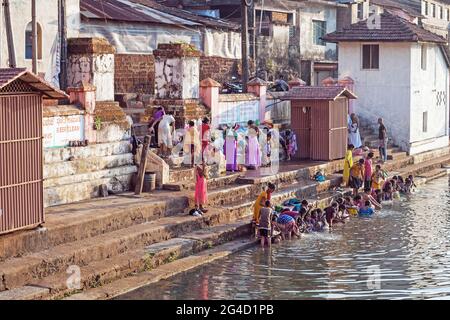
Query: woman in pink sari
[[253, 149]]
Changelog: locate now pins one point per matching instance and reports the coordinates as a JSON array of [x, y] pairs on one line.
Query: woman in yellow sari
[[348, 163]]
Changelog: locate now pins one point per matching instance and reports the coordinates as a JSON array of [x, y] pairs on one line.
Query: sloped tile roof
[[318, 93], [392, 28], [8, 75]]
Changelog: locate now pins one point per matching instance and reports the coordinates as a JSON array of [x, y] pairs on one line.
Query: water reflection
[[404, 252]]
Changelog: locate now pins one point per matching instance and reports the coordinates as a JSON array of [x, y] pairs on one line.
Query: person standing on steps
[[354, 136], [383, 139], [348, 164]]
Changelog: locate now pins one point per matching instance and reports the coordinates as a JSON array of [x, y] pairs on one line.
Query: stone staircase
[[108, 239], [370, 139], [125, 236]]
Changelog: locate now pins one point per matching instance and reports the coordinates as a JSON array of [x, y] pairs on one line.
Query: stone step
[[73, 222], [213, 183], [143, 259], [16, 272], [79, 191], [434, 174], [397, 155], [87, 165], [423, 167], [94, 150]]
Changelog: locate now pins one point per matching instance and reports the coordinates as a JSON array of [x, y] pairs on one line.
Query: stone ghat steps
[[94, 150], [422, 168], [61, 191], [175, 255], [213, 183], [78, 167], [74, 222], [434, 174], [144, 259], [16, 272]]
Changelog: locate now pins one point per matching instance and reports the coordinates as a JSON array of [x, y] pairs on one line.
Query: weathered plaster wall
[[47, 17], [429, 93], [96, 69], [308, 49], [177, 78], [382, 93]]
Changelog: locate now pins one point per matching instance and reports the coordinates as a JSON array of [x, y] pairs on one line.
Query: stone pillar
[[91, 60], [259, 88], [84, 96], [209, 94], [349, 83], [177, 71]]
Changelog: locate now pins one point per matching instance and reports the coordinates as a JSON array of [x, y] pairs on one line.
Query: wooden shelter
[[319, 117], [21, 151]]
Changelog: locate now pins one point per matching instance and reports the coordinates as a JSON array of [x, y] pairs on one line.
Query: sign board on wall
[[58, 131]]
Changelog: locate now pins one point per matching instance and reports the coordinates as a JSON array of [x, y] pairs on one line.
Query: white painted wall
[[399, 91], [381, 93], [312, 12], [425, 86], [47, 17]]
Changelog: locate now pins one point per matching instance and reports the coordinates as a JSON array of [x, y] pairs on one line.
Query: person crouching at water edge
[[265, 224], [357, 176], [260, 203]]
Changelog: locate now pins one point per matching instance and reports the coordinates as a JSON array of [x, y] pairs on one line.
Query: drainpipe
[[63, 44], [34, 35], [9, 35]]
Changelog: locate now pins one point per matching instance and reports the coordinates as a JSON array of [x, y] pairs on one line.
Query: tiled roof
[[147, 11], [392, 28], [318, 93], [8, 75]]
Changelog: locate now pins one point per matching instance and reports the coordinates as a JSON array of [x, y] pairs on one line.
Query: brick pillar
[[296, 82], [209, 94], [177, 71], [84, 96], [328, 82], [91, 60], [349, 83], [259, 88]]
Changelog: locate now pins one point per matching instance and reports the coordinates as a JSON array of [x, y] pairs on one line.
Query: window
[[423, 56], [370, 56], [441, 13], [448, 14], [433, 10], [319, 30], [425, 121], [425, 7], [29, 42], [361, 10]]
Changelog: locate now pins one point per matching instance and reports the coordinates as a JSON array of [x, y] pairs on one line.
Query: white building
[[401, 73], [47, 31]]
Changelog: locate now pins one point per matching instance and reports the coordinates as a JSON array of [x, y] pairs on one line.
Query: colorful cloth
[[231, 150], [348, 163], [201, 192], [257, 208]]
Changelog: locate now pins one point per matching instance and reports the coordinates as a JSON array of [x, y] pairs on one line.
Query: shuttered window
[[319, 30], [370, 56]]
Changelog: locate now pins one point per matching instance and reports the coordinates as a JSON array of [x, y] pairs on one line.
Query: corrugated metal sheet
[[21, 177], [301, 125]]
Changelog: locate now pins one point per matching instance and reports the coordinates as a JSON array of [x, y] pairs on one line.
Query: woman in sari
[[354, 136], [231, 138], [348, 163], [253, 150]]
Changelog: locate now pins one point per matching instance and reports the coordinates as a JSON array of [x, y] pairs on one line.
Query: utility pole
[[9, 35], [34, 35], [63, 44], [244, 45]]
